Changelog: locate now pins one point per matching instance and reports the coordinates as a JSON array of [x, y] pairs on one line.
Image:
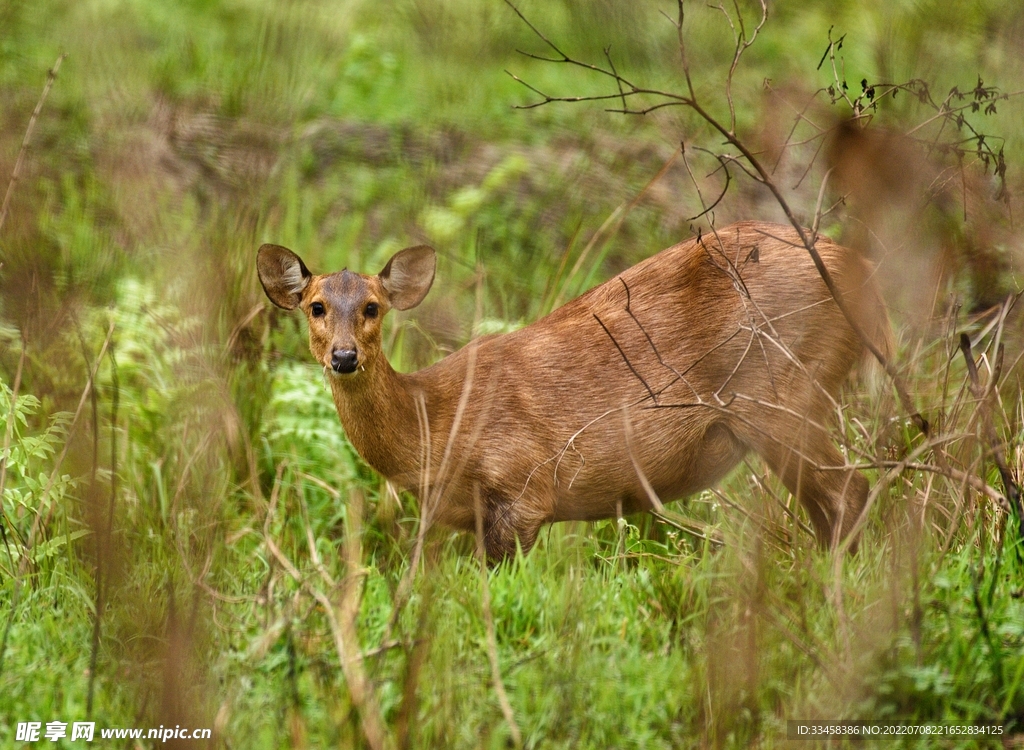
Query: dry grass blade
[[104, 538], [51, 76], [431, 490], [345, 635], [6, 522], [688, 526], [988, 428], [492, 645], [652, 496], [341, 617], [39, 523], [4, 455], [407, 712]]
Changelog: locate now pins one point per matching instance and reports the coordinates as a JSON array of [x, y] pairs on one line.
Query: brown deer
[[651, 386]]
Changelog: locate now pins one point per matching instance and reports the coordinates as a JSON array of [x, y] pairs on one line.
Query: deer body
[[657, 383]]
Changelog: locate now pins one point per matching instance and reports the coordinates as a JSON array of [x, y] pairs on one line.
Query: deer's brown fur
[[730, 343]]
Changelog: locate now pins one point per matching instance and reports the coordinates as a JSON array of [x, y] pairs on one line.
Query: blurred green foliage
[[179, 136]]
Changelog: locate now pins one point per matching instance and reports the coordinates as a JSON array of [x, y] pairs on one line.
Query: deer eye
[[371, 310], [317, 309]]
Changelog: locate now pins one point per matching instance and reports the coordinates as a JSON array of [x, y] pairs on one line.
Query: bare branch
[[625, 359], [618, 79], [706, 209], [742, 45]]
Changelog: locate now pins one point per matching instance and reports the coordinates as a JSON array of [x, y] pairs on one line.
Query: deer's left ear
[[283, 274], [408, 275]]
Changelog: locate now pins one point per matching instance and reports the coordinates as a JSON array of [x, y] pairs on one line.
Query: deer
[[645, 389]]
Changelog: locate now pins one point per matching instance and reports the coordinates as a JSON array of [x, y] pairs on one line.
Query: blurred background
[[177, 490]]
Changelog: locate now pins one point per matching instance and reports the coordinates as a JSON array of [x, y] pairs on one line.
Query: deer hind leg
[[804, 457]]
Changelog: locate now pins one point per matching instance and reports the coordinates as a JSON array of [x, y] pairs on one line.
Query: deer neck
[[377, 408]]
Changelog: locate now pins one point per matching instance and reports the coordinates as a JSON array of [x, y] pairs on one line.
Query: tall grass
[[177, 139]]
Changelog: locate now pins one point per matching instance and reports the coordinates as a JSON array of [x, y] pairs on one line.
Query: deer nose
[[344, 360]]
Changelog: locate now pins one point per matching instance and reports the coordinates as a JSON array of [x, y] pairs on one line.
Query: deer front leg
[[507, 523]]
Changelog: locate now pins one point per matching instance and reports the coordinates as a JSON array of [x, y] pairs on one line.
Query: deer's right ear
[[283, 274]]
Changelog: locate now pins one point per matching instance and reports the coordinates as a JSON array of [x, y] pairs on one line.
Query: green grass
[[179, 137]]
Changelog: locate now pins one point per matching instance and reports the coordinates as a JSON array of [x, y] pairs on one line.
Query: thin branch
[[650, 341], [618, 79], [706, 209], [743, 43], [625, 359], [562, 57]]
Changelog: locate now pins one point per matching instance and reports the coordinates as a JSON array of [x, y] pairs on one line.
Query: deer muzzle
[[344, 361]]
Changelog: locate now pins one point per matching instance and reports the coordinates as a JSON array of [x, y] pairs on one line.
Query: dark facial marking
[[345, 291]]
